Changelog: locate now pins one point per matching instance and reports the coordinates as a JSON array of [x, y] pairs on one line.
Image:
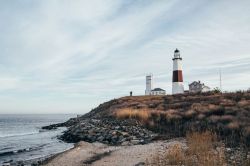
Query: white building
[[149, 87], [158, 91], [197, 86], [148, 84], [177, 85]]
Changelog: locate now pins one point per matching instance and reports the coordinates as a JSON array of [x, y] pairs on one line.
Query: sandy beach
[[98, 154]]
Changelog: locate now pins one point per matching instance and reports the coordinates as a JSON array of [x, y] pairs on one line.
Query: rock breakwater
[[109, 131]]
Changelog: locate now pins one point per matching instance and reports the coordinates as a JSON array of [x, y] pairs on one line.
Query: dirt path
[[97, 154]]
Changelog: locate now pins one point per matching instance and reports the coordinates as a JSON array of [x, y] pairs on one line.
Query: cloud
[[63, 56]]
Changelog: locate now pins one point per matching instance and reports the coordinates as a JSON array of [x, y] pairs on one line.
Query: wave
[[7, 148], [16, 151], [19, 134], [39, 130]]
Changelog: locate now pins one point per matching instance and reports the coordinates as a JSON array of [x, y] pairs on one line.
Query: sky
[[63, 56]]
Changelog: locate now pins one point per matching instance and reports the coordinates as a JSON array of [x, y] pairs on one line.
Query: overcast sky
[[63, 56]]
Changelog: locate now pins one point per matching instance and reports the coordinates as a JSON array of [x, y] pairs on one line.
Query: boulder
[[135, 141], [100, 138], [126, 143], [108, 131]]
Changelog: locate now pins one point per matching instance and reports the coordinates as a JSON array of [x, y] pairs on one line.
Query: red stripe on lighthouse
[[177, 76]]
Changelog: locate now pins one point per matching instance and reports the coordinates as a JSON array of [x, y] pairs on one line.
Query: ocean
[[22, 139]]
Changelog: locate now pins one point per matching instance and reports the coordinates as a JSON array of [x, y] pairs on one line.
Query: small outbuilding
[[197, 86], [158, 91]]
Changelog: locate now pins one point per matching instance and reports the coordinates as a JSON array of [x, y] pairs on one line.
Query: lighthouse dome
[[176, 50]]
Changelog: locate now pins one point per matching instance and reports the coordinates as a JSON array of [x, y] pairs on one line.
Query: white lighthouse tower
[[148, 84], [177, 86]]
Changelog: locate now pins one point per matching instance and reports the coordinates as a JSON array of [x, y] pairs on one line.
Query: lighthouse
[[177, 86]]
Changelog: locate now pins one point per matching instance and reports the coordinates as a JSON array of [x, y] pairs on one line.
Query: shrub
[[201, 116], [200, 142], [217, 90], [201, 151], [226, 118], [227, 102], [202, 146], [214, 118], [233, 125], [243, 103], [175, 155], [190, 113], [213, 107]]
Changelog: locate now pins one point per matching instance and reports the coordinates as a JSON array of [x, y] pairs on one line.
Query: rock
[[108, 131], [125, 134], [134, 137], [142, 141], [140, 164], [117, 127], [126, 143], [123, 140], [114, 137], [135, 141], [100, 138], [120, 138], [89, 137], [105, 142], [108, 137], [51, 127], [7, 163]]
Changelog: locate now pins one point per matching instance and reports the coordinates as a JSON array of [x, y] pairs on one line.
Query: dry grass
[[200, 142], [190, 113], [227, 114], [233, 125], [142, 115], [243, 103], [214, 118], [175, 155], [201, 152], [227, 118], [147, 115], [201, 116]]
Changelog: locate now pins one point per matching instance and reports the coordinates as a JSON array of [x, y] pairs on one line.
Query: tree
[[217, 90]]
